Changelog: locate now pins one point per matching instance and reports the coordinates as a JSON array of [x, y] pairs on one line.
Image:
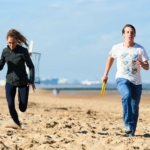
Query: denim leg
[[136, 96], [10, 96], [23, 92], [124, 88]]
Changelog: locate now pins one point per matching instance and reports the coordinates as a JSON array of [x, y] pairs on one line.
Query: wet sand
[[73, 120]]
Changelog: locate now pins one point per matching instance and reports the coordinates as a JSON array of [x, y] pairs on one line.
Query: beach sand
[[73, 120]]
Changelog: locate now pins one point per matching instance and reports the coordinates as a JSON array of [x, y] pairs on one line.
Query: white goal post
[[36, 61]]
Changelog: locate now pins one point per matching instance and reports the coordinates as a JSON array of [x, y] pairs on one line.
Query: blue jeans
[[131, 95]]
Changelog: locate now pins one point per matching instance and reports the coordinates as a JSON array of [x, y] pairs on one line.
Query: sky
[[74, 37]]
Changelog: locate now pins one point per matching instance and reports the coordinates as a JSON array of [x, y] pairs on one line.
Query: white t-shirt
[[126, 61]]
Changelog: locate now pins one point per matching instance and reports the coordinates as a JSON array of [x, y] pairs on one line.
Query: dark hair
[[128, 25], [17, 35]]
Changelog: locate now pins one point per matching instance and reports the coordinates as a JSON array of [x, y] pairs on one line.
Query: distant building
[[50, 81]]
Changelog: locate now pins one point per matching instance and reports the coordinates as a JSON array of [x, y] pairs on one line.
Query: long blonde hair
[[17, 35]]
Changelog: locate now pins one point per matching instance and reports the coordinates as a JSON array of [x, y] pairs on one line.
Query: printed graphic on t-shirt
[[128, 63]]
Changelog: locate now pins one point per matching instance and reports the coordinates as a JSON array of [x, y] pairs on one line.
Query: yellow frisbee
[[103, 89]]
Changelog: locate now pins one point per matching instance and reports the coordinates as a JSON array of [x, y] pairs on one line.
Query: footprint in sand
[[105, 129], [3, 146], [49, 142], [9, 132], [51, 125], [10, 124]]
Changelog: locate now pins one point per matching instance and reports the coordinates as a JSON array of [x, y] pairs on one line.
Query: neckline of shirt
[[128, 47]]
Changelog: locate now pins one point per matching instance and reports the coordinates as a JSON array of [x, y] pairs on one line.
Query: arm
[[144, 64], [2, 62], [31, 68], [109, 63]]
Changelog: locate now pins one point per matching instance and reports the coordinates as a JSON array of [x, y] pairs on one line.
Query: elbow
[[147, 68]]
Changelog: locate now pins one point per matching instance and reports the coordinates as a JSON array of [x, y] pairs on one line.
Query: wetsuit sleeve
[[30, 66], [2, 61]]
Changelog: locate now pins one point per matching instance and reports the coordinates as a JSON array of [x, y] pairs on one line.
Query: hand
[[144, 65], [32, 85], [139, 63], [104, 78]]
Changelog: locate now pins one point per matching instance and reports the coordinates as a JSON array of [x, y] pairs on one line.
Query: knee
[[127, 95], [22, 109]]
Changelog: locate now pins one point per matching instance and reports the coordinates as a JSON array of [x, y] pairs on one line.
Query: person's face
[[12, 42], [129, 34]]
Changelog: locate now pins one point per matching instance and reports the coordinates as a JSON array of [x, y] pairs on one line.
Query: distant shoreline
[[81, 87]]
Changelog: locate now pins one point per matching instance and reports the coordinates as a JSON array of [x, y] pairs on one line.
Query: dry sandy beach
[[73, 120]]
